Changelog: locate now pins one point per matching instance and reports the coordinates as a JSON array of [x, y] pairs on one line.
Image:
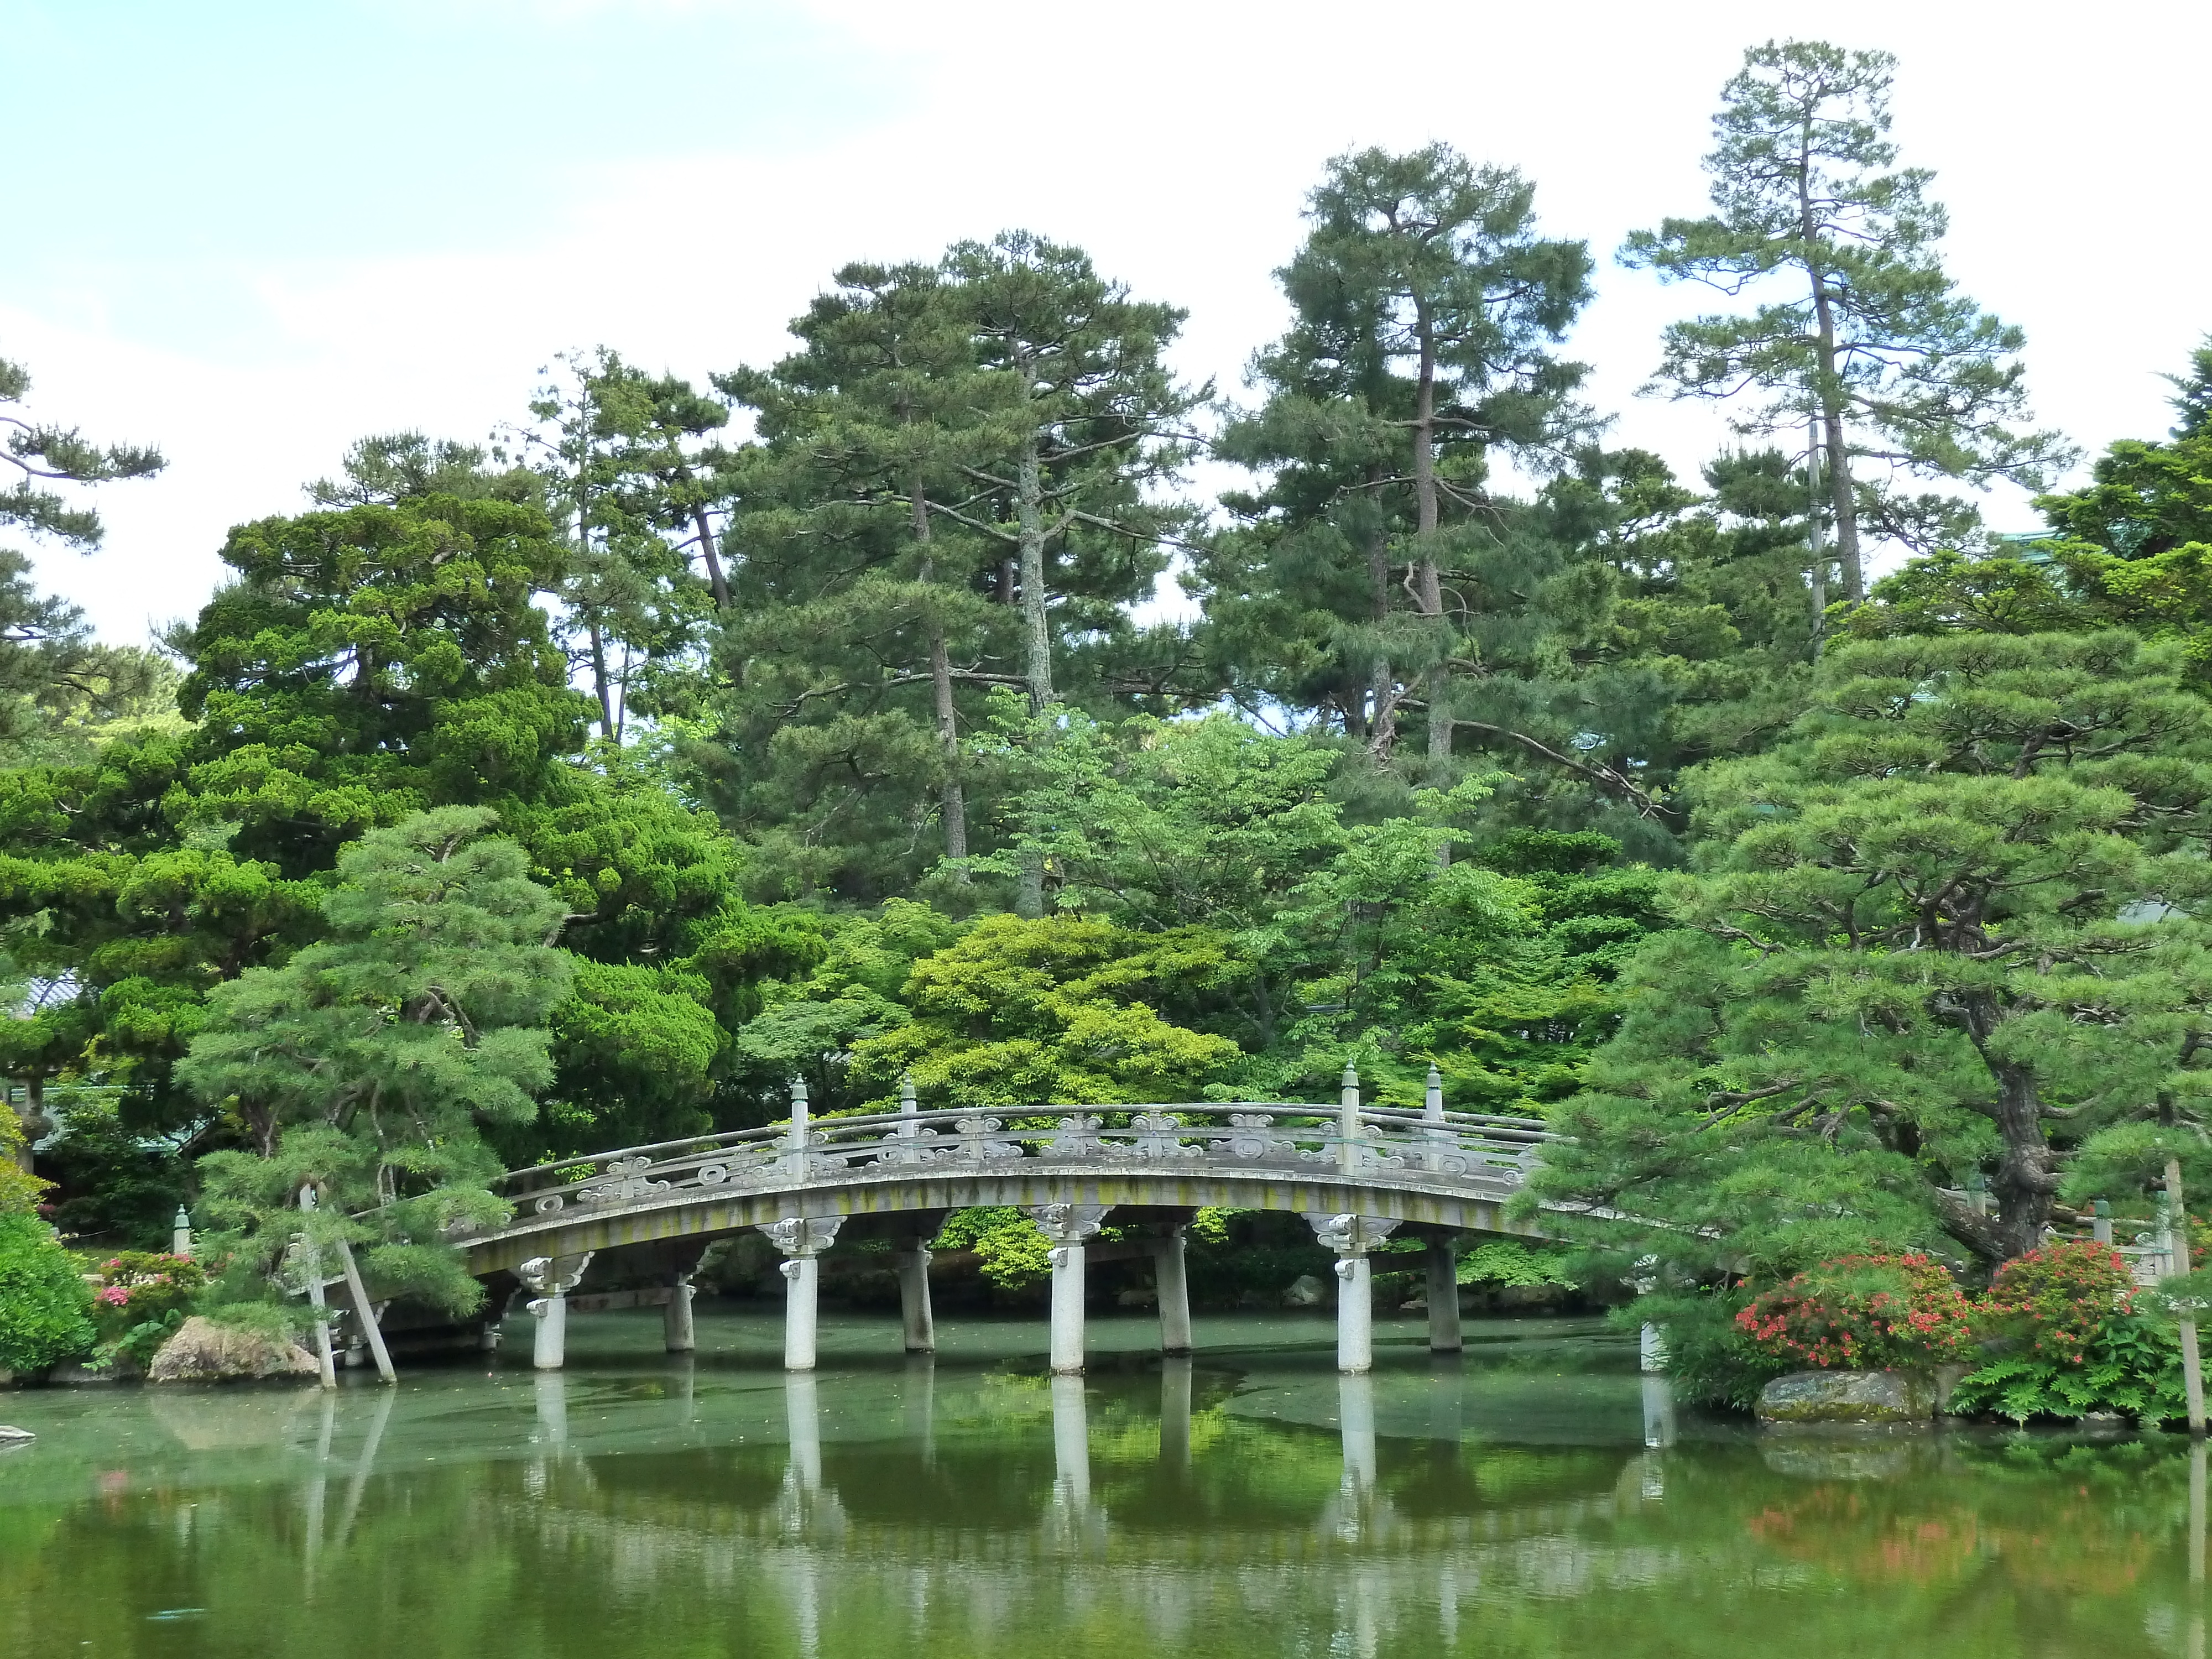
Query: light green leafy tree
[[1066, 1008]]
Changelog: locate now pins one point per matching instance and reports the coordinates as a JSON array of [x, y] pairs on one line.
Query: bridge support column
[[1443, 1298], [802, 1239], [920, 1323], [552, 1277], [677, 1329], [1067, 1225], [1351, 1236], [1174, 1289]]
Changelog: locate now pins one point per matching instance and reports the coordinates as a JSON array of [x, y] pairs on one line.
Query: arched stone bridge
[[1356, 1174]]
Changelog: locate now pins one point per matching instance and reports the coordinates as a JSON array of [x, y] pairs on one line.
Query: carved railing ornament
[[1076, 1138], [1157, 1137], [625, 1180], [981, 1140], [1252, 1138]]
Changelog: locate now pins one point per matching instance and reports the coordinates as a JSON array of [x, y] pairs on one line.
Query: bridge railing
[[1354, 1140]]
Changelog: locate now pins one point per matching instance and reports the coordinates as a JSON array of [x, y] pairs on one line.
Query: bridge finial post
[[910, 1109], [1347, 1123], [796, 1147], [1432, 1108]]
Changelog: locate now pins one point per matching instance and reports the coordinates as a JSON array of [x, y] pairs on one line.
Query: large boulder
[[204, 1351], [1849, 1398]]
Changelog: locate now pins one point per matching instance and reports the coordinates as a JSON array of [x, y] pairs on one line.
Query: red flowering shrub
[[2059, 1298], [144, 1296], [1863, 1313]]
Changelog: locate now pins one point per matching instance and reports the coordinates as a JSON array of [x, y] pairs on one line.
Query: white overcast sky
[[251, 231]]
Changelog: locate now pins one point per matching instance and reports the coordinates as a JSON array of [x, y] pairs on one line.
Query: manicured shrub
[[2058, 1299], [143, 1298], [44, 1303], [1863, 1313], [2069, 1340]]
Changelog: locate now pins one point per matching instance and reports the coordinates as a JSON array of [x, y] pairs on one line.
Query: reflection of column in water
[[1071, 1443], [551, 1388], [803, 1418], [1356, 1633], [806, 1594], [1175, 1412], [1447, 1387], [318, 1485], [366, 1466], [2196, 1512], [1355, 1412], [1658, 1409], [686, 1364], [919, 1398], [2195, 1649]]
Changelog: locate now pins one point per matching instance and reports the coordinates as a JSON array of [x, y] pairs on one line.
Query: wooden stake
[[2192, 1369], [324, 1364], [365, 1313]]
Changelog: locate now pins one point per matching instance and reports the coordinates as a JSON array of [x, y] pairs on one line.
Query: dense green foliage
[[44, 1306]]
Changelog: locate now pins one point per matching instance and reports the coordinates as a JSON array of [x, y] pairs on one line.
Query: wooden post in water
[[365, 1312], [2192, 1369], [325, 1368]]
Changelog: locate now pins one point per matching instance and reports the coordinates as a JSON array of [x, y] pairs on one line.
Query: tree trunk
[[599, 679], [1829, 389], [1426, 517], [1037, 667], [2024, 1186], [714, 579], [1029, 509], [1383, 721], [1816, 566], [1843, 503], [952, 797]]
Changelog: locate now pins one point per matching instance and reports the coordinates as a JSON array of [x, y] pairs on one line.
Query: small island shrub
[[141, 1298], [2069, 1339], [2058, 1299], [1863, 1313], [45, 1306]]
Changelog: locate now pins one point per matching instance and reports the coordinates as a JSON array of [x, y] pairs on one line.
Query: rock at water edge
[[1305, 1292], [204, 1351], [1849, 1397]]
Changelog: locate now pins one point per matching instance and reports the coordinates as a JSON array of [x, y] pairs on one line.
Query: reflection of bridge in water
[[1384, 1566], [1071, 1514], [939, 1503], [1357, 1175]]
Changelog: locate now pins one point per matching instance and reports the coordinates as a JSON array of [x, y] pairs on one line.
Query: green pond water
[[1535, 1498]]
